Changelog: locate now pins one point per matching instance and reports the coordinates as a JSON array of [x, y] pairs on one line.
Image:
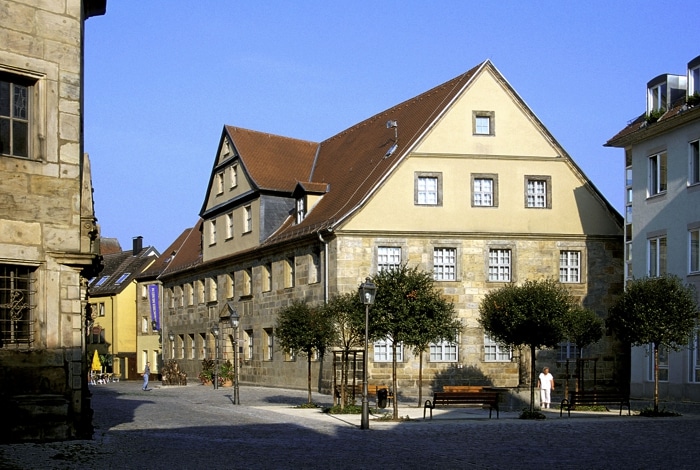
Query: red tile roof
[[183, 253]]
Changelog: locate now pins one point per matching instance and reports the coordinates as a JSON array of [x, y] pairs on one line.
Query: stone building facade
[[462, 181], [47, 222]]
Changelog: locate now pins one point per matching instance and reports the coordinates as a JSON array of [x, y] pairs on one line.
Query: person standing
[[546, 384], [146, 373]]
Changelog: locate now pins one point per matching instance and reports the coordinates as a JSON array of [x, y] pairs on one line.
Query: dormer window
[[300, 209], [657, 97], [665, 92], [694, 79]]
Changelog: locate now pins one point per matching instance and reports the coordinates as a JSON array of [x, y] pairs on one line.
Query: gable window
[[484, 190], [220, 183], [15, 105], [229, 226], [499, 265], [495, 352], [694, 162], [657, 174], [694, 250], [248, 216], [212, 232], [657, 256], [483, 122], [538, 192], [443, 351], [383, 351], [17, 302], [570, 266], [233, 176], [388, 257], [428, 189], [444, 264], [300, 209]]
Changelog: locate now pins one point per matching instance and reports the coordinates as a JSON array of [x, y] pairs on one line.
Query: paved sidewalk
[[199, 427]]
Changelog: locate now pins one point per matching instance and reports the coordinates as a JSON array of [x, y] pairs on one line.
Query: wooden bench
[[356, 391], [448, 399], [462, 388], [594, 398]]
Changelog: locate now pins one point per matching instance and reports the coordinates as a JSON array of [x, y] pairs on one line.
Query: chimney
[[138, 245]]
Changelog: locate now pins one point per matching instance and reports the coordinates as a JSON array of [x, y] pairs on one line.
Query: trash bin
[[382, 395]]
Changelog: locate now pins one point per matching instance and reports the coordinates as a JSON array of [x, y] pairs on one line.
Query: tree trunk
[[533, 371], [393, 379], [308, 378], [420, 378], [656, 378]]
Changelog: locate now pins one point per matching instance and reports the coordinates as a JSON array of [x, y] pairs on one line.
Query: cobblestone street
[[199, 427]]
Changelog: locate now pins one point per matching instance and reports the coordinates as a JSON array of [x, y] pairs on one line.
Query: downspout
[[326, 258]]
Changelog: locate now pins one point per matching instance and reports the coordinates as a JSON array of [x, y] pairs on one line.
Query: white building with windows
[[662, 215], [463, 181]]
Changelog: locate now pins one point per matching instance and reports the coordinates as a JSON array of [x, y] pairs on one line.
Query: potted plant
[[226, 374], [207, 372], [694, 99]]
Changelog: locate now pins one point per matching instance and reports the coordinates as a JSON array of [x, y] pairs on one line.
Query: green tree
[[660, 311], [583, 328], [348, 316], [409, 310], [303, 330], [532, 314]]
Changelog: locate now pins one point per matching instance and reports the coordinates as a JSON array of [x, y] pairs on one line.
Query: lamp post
[[171, 337], [215, 332], [368, 291], [235, 318]]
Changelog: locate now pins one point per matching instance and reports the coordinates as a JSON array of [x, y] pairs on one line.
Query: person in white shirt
[[546, 384]]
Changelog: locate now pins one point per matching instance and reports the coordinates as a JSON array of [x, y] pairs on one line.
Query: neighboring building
[[47, 222], [463, 181], [662, 212], [113, 318]]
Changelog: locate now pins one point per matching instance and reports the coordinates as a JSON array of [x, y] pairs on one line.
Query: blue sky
[[164, 76]]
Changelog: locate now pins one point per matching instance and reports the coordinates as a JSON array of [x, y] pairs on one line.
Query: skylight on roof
[[122, 278], [102, 280]]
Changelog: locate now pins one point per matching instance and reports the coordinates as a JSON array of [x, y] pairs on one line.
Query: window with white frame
[[444, 264], [233, 176], [570, 266], [248, 217], [15, 115], [663, 363], [658, 97], [428, 189], [388, 257], [657, 174], [657, 256], [229, 226], [694, 162], [383, 351], [499, 265], [495, 352], [212, 232], [300, 209], [694, 250], [269, 344], [567, 351], [220, 182], [484, 190], [443, 351], [694, 357], [538, 192], [483, 122]]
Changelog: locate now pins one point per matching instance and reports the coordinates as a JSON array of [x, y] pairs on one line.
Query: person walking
[[546, 384], [146, 373]]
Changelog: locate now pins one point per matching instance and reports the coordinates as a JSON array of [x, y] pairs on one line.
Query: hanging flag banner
[[155, 304]]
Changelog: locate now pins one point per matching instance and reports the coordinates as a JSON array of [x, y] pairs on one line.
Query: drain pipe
[[326, 258]]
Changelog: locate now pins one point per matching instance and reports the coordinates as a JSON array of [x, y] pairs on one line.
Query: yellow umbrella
[[96, 364]]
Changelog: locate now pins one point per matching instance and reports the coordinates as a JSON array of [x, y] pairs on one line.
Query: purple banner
[[154, 301]]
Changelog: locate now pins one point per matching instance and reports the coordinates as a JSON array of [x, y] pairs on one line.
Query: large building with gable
[[463, 181]]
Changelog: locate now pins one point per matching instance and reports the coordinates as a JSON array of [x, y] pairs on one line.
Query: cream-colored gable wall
[[519, 149], [515, 132], [240, 241]]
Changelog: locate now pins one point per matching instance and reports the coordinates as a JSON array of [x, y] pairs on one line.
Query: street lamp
[[368, 291], [171, 337], [215, 332], [235, 318]]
